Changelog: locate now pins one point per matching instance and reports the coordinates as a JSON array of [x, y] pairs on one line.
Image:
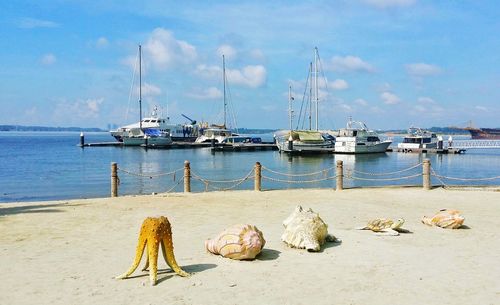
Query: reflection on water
[[44, 166]]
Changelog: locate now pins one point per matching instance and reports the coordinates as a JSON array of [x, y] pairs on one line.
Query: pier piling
[[82, 140], [426, 174], [114, 179], [340, 175], [258, 176], [187, 177]]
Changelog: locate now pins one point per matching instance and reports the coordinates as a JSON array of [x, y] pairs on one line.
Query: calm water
[[47, 166]]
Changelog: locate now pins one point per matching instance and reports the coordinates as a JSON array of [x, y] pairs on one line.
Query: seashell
[[447, 219], [383, 226], [242, 241], [306, 230]]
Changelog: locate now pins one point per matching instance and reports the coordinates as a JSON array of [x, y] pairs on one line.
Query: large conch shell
[[447, 219], [242, 241], [306, 230]]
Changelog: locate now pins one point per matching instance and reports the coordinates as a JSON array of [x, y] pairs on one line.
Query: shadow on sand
[[268, 255], [39, 208]]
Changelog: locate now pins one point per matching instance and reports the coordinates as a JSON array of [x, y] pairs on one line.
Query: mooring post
[[82, 140], [340, 175], [426, 174], [257, 177], [187, 177], [114, 179]]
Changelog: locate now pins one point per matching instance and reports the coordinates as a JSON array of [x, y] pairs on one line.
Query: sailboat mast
[[290, 111], [224, 81], [310, 95], [316, 100], [140, 87]]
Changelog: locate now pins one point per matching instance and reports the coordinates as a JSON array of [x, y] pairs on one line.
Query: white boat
[[178, 132], [148, 137], [305, 141], [356, 138], [418, 138], [218, 133]]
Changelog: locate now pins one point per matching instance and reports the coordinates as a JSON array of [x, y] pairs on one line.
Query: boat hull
[[485, 134], [356, 148]]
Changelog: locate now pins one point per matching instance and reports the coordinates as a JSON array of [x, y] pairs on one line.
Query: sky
[[389, 63]]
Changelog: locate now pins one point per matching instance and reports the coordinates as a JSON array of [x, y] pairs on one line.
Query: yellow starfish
[[153, 232]]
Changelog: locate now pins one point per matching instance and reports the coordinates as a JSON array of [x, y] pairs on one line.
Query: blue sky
[[390, 63]]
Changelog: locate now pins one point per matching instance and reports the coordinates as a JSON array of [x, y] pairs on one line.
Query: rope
[[295, 181], [387, 174], [236, 181], [177, 184], [433, 173], [464, 179], [150, 176], [385, 179], [324, 171]]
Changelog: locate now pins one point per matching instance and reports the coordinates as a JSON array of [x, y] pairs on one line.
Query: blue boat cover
[[153, 132]]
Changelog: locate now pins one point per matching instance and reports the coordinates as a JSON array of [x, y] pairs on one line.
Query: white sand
[[68, 252]]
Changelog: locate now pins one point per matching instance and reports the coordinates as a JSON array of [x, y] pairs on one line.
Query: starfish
[[153, 232]]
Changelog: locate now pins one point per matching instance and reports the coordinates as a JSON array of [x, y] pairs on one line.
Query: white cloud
[[228, 51], [338, 84], [48, 59], [361, 102], [348, 63], [250, 76], [422, 69], [31, 23], [149, 90], [102, 43], [79, 109], [164, 51], [257, 54], [425, 100], [345, 107], [389, 3], [390, 98], [205, 94], [481, 108]]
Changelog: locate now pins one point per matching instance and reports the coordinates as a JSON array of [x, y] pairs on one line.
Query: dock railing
[[260, 173]]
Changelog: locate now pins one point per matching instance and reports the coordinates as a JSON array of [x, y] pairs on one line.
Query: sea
[[41, 166]]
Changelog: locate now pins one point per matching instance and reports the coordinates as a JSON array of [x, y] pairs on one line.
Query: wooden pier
[[244, 147], [428, 150]]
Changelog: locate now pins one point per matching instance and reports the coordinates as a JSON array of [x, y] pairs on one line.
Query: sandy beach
[[68, 252]]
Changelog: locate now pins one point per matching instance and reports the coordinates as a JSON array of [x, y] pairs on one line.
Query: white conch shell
[[242, 241], [447, 219], [305, 230]]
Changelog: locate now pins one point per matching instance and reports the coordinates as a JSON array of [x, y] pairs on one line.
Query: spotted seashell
[[447, 219], [242, 241]]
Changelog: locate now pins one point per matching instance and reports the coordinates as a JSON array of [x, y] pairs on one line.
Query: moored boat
[[418, 138], [484, 133], [356, 138]]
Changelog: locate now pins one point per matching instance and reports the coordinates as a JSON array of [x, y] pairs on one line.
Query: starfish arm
[[146, 265], [153, 245], [138, 255], [168, 254]]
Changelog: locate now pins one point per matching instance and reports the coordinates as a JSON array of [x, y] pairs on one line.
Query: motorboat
[[178, 132], [148, 137], [356, 138], [418, 138], [137, 131], [304, 141]]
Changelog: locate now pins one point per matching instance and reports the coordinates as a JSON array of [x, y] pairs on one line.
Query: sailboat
[[296, 141], [218, 133], [149, 135]]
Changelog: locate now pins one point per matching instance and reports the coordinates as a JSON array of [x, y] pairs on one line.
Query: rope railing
[[332, 173], [389, 173], [323, 171], [209, 183], [150, 176]]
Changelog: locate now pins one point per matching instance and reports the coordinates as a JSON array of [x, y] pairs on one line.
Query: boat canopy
[[307, 136]]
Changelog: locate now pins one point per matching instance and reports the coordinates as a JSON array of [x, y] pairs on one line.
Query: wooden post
[[258, 176], [82, 140], [114, 179], [340, 175], [426, 174], [187, 177]]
